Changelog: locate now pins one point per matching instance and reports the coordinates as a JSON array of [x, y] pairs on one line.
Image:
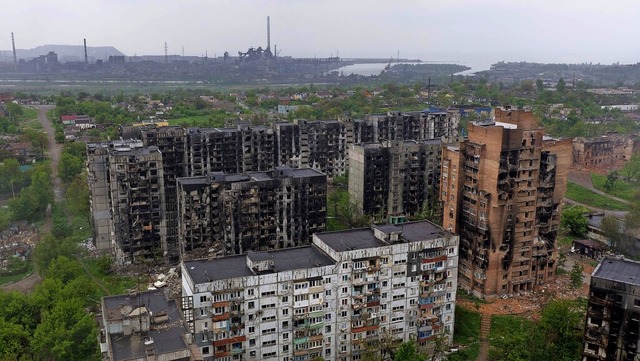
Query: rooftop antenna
[[13, 42], [166, 54], [268, 33], [398, 56], [86, 58]]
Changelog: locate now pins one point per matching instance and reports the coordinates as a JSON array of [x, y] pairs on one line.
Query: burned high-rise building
[[126, 184], [325, 145], [213, 150], [232, 213], [395, 179], [502, 191], [613, 312], [198, 152], [428, 124], [170, 141]]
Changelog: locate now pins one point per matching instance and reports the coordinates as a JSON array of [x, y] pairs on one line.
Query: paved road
[[584, 179]]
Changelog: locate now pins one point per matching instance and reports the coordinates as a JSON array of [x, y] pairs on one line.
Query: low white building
[[334, 299]]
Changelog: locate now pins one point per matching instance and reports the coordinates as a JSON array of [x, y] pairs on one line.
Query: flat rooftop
[[204, 270], [217, 269], [619, 270], [293, 258], [362, 238], [167, 336], [342, 241], [300, 172]]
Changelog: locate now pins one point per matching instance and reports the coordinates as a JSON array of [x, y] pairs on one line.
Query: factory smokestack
[[268, 33], [86, 58], [13, 42]]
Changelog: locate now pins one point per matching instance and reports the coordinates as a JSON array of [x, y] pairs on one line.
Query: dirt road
[[28, 283], [54, 149]]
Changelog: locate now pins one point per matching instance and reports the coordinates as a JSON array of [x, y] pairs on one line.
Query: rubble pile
[[529, 304], [16, 241]]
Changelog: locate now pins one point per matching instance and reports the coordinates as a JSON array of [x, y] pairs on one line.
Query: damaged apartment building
[[502, 191], [225, 214], [196, 152], [127, 199], [606, 152], [613, 312], [347, 293], [396, 179]]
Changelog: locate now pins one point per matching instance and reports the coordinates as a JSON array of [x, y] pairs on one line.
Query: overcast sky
[[470, 31]]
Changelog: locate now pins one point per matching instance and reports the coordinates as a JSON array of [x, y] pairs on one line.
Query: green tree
[[14, 110], [612, 230], [77, 149], [561, 325], [561, 86], [14, 341], [64, 269], [10, 174], [632, 168], [77, 195], [69, 167], [539, 86], [38, 139], [610, 183], [576, 275], [50, 248], [573, 219], [407, 351], [32, 202], [67, 332], [527, 86]]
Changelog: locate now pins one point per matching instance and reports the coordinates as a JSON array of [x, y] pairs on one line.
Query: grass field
[[467, 326], [508, 331], [466, 334], [114, 284], [586, 196], [622, 189]]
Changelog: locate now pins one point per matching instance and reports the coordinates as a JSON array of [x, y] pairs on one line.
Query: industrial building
[[225, 214], [349, 293], [397, 179], [502, 191], [613, 312], [127, 199]]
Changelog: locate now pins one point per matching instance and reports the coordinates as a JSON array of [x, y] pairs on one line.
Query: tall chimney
[[86, 58], [268, 33], [13, 42]]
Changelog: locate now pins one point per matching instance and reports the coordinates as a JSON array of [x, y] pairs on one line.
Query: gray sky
[[470, 31]]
